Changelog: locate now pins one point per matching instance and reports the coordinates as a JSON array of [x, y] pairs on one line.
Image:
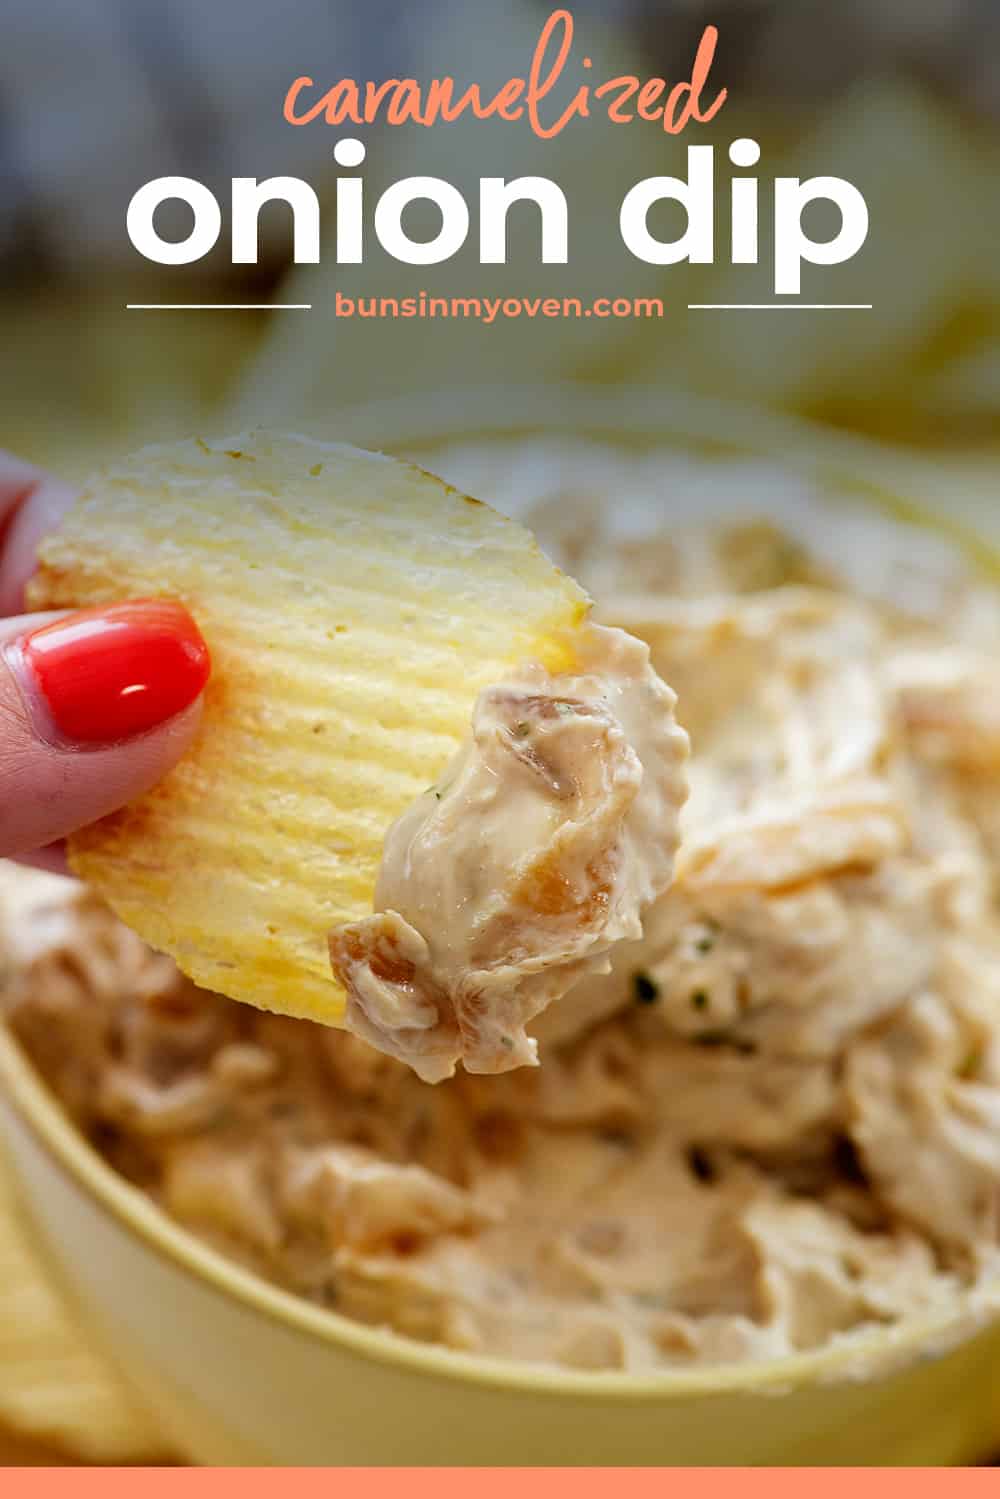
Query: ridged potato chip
[[354, 607]]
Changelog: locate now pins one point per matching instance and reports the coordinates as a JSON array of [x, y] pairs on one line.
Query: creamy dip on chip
[[541, 846]]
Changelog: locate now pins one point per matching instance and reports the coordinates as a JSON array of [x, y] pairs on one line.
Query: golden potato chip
[[354, 607]]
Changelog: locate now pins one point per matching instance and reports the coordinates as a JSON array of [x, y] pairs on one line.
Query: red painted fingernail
[[112, 672]]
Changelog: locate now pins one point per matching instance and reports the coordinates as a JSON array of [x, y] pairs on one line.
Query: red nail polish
[[112, 672]]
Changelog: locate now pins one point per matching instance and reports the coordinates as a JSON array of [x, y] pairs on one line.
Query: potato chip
[[354, 607]]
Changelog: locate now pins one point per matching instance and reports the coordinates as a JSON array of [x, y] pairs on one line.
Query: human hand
[[95, 706]]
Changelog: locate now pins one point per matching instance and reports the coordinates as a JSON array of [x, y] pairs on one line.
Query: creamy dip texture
[[540, 847], [769, 1118]]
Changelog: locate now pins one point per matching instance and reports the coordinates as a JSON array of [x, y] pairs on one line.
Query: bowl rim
[[855, 464]]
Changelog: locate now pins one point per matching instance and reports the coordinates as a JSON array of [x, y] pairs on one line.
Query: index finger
[[32, 503]]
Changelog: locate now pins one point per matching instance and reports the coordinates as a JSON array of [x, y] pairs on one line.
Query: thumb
[[95, 707]]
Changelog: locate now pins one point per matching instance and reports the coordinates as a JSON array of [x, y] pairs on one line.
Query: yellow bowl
[[238, 1372]]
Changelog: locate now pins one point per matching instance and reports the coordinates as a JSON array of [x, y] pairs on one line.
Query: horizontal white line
[[217, 306], [779, 307]]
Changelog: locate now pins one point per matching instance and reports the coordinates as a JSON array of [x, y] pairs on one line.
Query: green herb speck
[[700, 1165], [647, 990], [971, 1063]]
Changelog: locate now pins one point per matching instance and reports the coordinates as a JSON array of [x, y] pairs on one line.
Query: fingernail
[[106, 674]]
